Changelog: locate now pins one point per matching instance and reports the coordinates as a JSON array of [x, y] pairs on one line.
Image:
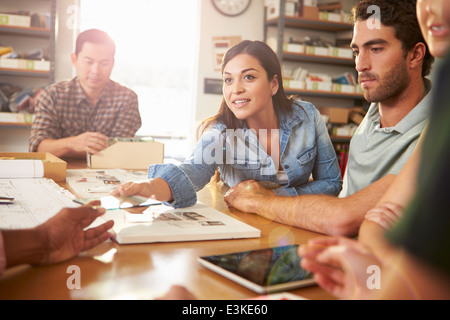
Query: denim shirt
[[305, 149]]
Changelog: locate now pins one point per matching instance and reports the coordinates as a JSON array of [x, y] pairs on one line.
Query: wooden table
[[147, 271]]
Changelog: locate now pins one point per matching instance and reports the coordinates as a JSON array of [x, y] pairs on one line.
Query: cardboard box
[[293, 84], [343, 115], [15, 117], [343, 88], [294, 47], [318, 85], [128, 155], [336, 115], [273, 9], [54, 168], [310, 13], [330, 16], [310, 3], [341, 52], [347, 130], [317, 51], [15, 20], [357, 115], [25, 64]]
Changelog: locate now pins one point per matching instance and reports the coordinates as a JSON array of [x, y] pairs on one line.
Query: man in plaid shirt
[[76, 117]]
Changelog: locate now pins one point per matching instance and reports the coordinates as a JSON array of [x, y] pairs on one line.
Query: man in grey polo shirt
[[377, 150], [392, 61]]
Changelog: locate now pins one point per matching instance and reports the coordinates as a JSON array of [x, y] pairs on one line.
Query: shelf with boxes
[[312, 49], [27, 55], [26, 31], [13, 63], [342, 124], [309, 22], [312, 41], [16, 119]]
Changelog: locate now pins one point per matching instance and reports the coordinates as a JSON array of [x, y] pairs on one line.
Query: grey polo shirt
[[375, 152]]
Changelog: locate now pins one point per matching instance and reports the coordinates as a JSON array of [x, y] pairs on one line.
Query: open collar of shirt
[[419, 113], [289, 120], [80, 95], [286, 121]]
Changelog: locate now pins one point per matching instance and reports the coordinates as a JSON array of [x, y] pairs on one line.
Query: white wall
[[249, 25], [65, 38]]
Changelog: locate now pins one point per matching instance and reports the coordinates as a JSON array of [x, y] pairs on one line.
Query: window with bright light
[[156, 48]]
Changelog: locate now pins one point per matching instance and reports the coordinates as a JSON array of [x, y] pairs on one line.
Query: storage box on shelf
[[15, 20], [286, 34], [273, 8], [15, 118], [330, 16], [25, 64], [20, 29], [25, 33], [341, 53]]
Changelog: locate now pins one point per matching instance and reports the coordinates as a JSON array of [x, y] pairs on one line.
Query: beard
[[391, 84]]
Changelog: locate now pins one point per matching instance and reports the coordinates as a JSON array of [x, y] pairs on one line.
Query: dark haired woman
[[258, 134]]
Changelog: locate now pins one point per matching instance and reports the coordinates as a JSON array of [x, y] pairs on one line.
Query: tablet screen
[[265, 267]]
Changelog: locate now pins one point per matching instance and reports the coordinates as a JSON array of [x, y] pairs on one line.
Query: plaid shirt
[[62, 110]]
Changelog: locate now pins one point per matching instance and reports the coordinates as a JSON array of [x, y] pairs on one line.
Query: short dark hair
[[401, 15], [94, 36]]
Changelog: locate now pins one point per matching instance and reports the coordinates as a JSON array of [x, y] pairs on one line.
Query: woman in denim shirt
[[257, 134]]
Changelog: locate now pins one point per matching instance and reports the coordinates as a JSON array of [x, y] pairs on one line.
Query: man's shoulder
[[114, 86], [56, 91], [61, 86]]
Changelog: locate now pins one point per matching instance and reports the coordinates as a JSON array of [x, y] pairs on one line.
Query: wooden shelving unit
[[302, 23], [307, 26], [26, 31], [45, 36], [325, 94], [283, 22], [304, 57]]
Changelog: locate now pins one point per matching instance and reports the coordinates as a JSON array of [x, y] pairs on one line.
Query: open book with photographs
[[161, 223], [141, 220]]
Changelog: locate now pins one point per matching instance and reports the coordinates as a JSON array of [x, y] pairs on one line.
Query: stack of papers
[[35, 201], [21, 168]]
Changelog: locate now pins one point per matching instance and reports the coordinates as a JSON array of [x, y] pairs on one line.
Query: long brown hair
[[269, 61]]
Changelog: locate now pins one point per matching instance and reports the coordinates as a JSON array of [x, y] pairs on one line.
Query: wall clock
[[231, 8]]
